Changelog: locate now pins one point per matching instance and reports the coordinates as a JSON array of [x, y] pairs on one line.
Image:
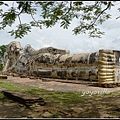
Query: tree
[[2, 51], [89, 16]]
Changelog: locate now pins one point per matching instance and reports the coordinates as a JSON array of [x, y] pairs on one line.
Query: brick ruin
[[102, 66]]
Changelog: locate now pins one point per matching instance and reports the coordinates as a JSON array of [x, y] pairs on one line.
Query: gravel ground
[[60, 86]]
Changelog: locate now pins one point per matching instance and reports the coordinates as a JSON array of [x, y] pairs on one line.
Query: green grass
[[9, 86], [66, 100], [3, 98], [62, 97], [71, 98], [1, 95]]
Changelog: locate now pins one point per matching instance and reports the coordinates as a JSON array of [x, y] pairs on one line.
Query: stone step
[[3, 76], [69, 81], [23, 76], [24, 98]]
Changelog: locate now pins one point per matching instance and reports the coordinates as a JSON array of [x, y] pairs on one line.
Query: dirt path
[[60, 86]]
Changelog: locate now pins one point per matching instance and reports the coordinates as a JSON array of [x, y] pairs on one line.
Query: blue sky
[[64, 39]]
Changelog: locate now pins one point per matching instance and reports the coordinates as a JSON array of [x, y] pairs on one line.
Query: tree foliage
[[2, 51], [88, 14]]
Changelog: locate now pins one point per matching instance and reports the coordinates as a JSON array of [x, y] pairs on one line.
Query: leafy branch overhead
[[88, 14]]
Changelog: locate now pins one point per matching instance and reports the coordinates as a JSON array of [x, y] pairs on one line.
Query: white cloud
[[63, 39]]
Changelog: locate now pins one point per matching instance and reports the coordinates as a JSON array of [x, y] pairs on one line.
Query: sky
[[64, 39]]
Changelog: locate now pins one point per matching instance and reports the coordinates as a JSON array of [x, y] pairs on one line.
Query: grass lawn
[[67, 104]]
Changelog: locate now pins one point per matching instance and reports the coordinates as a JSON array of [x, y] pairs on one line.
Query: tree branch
[[13, 4], [33, 17], [24, 8], [68, 10], [101, 13], [19, 19], [21, 11], [26, 5]]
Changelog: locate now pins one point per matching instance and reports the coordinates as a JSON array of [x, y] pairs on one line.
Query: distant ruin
[[102, 66]]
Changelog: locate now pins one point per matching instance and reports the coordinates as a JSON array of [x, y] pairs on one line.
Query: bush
[[1, 67]]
